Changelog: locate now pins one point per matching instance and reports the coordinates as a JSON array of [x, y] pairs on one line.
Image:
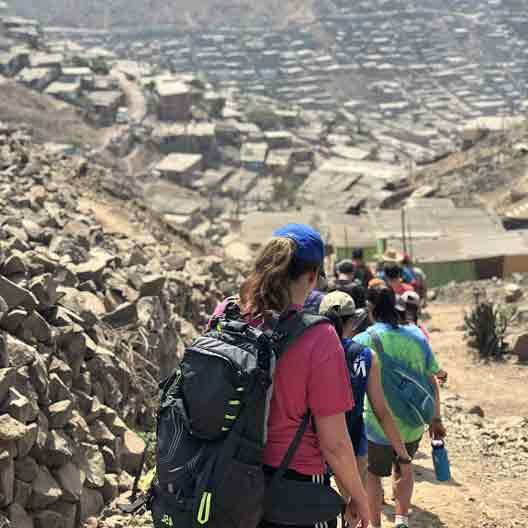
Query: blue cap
[[310, 245]]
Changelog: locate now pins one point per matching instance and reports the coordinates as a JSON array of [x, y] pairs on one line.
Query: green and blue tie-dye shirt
[[408, 345]]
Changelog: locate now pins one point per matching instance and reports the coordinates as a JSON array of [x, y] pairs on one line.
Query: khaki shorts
[[381, 457]]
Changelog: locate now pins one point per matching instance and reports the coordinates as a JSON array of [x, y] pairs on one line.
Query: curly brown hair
[[268, 285]]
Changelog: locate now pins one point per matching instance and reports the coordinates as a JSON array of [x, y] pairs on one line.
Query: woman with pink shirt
[[311, 376]]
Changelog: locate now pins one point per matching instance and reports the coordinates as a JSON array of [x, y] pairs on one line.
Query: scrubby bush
[[486, 326]]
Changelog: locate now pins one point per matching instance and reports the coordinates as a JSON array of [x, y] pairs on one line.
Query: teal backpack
[[411, 396]]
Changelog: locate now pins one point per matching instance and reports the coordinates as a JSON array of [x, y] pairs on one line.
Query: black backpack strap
[[290, 328], [287, 330], [292, 449]]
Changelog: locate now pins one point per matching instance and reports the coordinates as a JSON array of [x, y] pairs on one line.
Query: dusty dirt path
[[112, 219], [480, 495], [136, 102]]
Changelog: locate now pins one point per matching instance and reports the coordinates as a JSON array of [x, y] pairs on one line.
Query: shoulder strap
[[290, 328], [292, 449], [378, 344]]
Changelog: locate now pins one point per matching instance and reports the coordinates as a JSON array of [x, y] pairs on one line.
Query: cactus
[[486, 325]]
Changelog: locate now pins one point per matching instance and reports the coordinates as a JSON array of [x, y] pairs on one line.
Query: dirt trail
[[112, 219], [480, 496], [137, 105]]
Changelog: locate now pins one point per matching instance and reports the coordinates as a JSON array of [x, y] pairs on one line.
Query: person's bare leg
[[403, 485], [375, 498]]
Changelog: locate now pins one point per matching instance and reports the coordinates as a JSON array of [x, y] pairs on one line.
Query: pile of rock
[[85, 318]]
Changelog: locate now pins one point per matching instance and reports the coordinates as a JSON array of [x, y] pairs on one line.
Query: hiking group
[[297, 382]]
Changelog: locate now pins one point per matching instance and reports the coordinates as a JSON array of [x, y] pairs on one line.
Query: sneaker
[[401, 525]]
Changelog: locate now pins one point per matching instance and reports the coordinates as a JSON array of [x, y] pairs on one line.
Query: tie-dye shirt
[[408, 345]]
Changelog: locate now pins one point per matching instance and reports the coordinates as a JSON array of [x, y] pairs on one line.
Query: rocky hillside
[[94, 309], [135, 13]]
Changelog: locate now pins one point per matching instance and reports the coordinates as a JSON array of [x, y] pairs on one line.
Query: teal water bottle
[[441, 461]]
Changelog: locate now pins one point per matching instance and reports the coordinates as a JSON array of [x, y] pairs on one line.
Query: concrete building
[[12, 62], [68, 92], [174, 100], [179, 168], [103, 107], [37, 78]]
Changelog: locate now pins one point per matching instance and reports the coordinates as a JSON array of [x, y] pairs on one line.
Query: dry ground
[[51, 119]]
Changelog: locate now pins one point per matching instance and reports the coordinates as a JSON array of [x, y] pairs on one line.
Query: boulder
[[25, 445], [44, 288], [20, 354], [11, 429], [46, 490], [43, 430], [60, 414], [111, 458], [22, 492], [92, 464], [13, 320], [23, 385], [37, 328], [132, 452], [39, 379], [125, 482], [49, 519], [92, 269], [19, 407], [15, 264], [58, 450], [19, 517], [16, 296], [7, 378], [74, 350], [86, 304], [152, 285], [58, 390], [26, 469], [62, 370], [102, 434], [114, 422], [92, 503], [32, 229], [7, 478], [513, 293], [110, 490], [77, 428], [124, 315], [68, 511], [71, 480], [520, 348]]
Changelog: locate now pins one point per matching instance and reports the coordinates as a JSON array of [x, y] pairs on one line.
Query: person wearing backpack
[[311, 377], [408, 368], [365, 379]]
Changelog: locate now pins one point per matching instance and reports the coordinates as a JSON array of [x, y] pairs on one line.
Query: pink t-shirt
[[312, 374]]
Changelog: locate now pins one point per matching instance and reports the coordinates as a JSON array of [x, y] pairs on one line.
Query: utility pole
[[404, 237]]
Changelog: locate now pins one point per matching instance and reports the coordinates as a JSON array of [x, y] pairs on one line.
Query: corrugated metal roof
[[423, 222], [469, 247]]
